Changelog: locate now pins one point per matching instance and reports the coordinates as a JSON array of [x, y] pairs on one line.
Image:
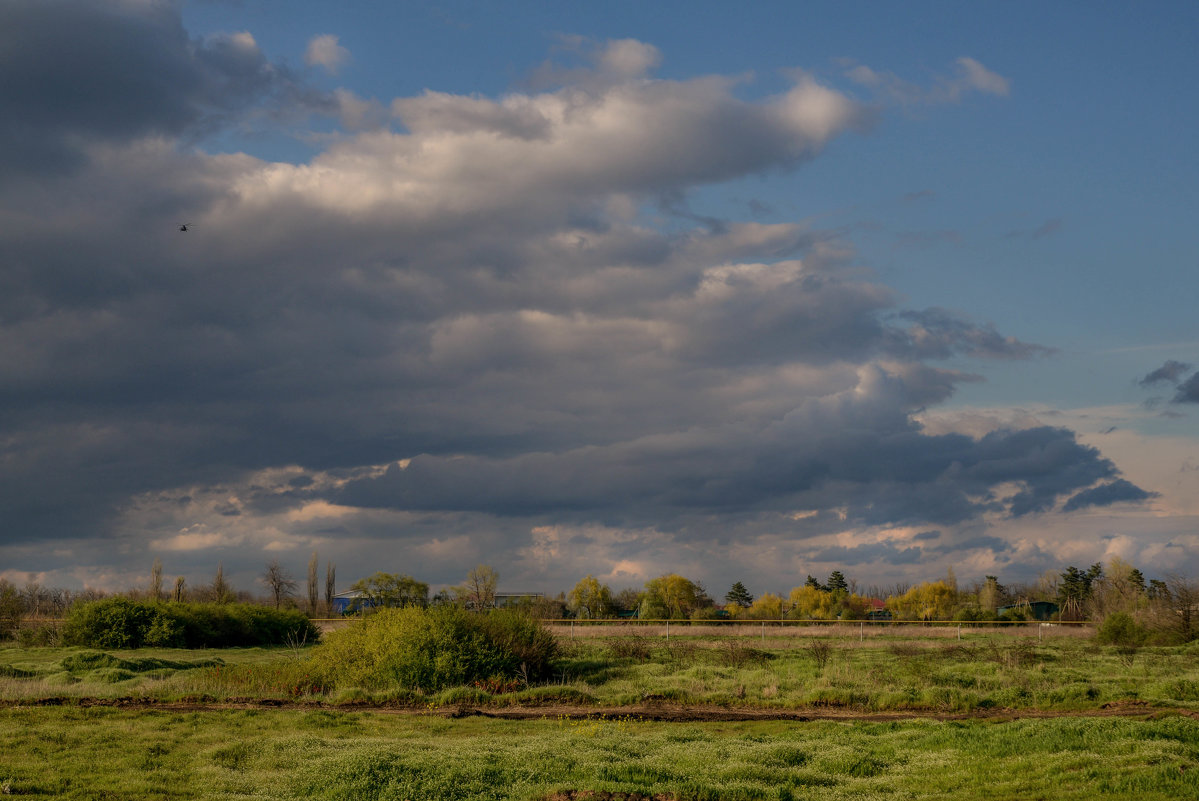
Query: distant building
[[1033, 610], [876, 609], [503, 599], [344, 600]]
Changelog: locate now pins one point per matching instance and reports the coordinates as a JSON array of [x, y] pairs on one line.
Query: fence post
[[667, 629], [959, 631], [572, 629], [862, 631]]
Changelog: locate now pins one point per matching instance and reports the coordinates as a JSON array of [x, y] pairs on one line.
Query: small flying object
[[183, 226]]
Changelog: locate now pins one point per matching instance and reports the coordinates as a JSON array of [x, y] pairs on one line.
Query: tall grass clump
[[430, 649], [124, 623]]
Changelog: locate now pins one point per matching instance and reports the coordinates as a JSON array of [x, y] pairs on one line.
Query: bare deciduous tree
[[34, 595], [278, 582], [313, 594], [11, 608], [330, 586], [479, 590], [156, 580], [220, 591], [1176, 609], [180, 591]]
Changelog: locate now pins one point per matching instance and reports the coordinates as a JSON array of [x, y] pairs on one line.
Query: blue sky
[[746, 292]]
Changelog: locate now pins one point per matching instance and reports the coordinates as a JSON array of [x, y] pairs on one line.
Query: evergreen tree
[[1076, 587], [739, 595], [837, 582], [1137, 579]]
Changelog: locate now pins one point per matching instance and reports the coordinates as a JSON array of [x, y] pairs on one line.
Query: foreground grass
[[898, 672], [78, 753]]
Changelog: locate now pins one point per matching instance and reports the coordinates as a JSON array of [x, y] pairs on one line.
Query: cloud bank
[[468, 330]]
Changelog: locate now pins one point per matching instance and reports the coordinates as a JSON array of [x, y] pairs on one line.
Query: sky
[[746, 292]]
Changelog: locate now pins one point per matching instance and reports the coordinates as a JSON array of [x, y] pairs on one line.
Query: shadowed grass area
[[92, 753]]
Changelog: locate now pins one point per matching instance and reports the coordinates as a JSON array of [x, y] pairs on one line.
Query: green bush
[[119, 623], [431, 649], [124, 623], [1120, 629]]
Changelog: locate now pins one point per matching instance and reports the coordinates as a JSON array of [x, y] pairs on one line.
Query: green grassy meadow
[[96, 753], [903, 671], [589, 728]]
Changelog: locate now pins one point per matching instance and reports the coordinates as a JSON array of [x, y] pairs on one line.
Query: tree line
[[1167, 608], [1170, 603]]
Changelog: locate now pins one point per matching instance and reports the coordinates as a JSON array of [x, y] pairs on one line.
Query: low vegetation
[[417, 658], [124, 623], [421, 649]]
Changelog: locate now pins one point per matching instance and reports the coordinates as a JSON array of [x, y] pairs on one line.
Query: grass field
[[1052, 741], [984, 670], [286, 754]]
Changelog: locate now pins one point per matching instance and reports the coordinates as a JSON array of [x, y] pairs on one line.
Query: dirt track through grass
[[653, 712]]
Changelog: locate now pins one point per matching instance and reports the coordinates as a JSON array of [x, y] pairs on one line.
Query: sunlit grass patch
[[90, 753]]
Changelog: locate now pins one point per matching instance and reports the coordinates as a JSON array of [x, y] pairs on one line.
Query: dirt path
[[656, 712]]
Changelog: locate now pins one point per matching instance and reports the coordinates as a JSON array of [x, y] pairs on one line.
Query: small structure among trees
[[379, 591]]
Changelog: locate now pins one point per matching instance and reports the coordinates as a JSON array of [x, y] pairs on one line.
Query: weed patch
[[632, 646], [735, 653]]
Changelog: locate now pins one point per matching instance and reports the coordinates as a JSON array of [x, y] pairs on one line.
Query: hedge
[[124, 623]]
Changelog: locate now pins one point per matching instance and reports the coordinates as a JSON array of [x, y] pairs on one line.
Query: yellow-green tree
[[812, 603], [932, 600], [671, 596], [767, 606], [590, 599]]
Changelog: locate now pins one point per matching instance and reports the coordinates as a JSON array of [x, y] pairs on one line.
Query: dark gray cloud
[[938, 334], [891, 474], [1118, 491], [470, 322], [1170, 372], [1173, 372], [1188, 391], [72, 74], [865, 554]]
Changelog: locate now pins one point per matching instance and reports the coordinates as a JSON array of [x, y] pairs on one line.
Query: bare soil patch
[[669, 713]]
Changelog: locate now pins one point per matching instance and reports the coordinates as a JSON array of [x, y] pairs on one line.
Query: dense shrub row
[[124, 623], [430, 649]]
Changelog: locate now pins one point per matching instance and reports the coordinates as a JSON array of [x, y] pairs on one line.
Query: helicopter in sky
[[183, 226]]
